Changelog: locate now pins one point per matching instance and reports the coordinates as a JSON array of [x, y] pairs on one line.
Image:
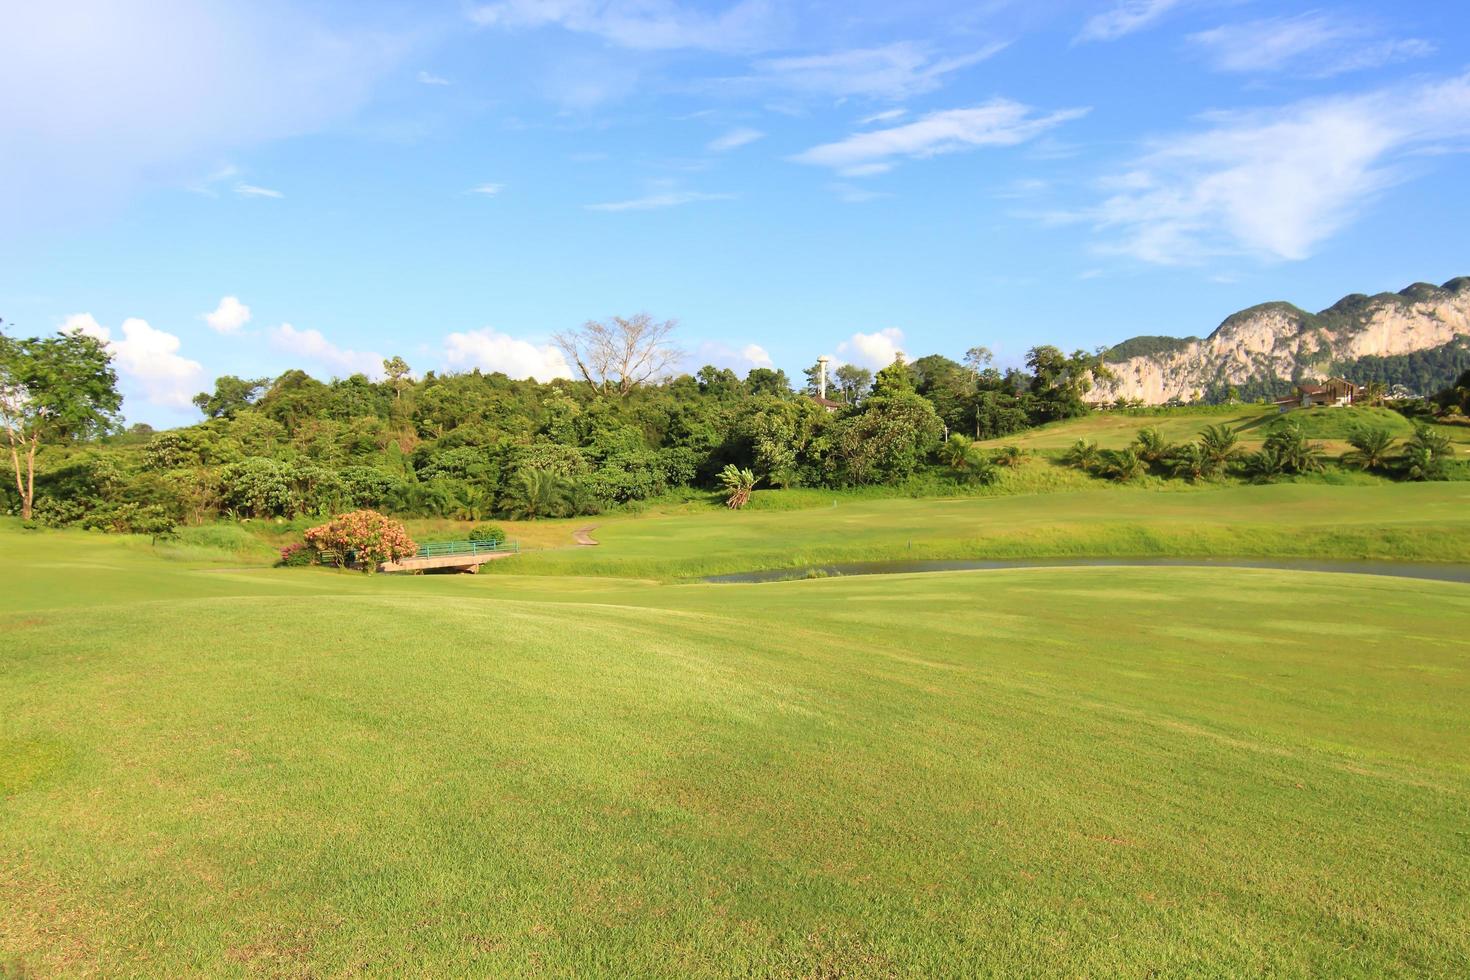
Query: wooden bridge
[[453, 556]]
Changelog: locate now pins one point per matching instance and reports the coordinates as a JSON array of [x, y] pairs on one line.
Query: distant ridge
[[1418, 337]]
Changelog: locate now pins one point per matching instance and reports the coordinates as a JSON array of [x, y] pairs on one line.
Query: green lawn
[[1429, 522], [208, 769], [1330, 427]]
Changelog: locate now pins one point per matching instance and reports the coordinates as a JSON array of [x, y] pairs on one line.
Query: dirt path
[[583, 536]]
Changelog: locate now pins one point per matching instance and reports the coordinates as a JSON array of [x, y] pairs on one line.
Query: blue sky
[[241, 187]]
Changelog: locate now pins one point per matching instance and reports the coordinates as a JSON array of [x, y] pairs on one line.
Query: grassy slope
[[1061, 771], [1406, 521], [1114, 430]]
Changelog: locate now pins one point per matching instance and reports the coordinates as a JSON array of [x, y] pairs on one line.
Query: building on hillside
[[827, 403], [1334, 392]]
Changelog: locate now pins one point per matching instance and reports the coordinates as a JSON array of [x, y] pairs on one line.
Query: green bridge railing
[[444, 549]]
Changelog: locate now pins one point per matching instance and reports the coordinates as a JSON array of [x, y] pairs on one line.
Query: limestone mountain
[[1419, 338]]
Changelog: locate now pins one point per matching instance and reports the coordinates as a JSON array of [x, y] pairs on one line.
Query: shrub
[[365, 536], [297, 555], [491, 534]]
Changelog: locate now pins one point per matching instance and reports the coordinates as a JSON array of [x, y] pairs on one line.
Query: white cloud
[[887, 115], [252, 190], [734, 139], [312, 345], [650, 25], [229, 316], [664, 199], [1278, 183], [102, 97], [491, 350], [999, 122], [724, 355], [872, 350], [147, 360], [756, 355], [429, 78], [488, 190], [894, 71], [1125, 17], [1316, 44]]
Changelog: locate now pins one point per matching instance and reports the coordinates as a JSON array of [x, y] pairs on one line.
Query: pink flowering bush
[[365, 535]]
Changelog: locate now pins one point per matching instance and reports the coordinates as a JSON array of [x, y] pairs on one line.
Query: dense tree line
[[473, 445]]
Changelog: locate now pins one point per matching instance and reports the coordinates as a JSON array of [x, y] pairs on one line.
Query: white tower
[[822, 363]]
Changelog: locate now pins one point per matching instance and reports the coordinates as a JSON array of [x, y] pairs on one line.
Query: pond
[[1400, 569]]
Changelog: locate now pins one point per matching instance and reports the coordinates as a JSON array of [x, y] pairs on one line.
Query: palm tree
[[957, 451], [1150, 446], [1009, 456], [1292, 449], [1083, 454], [536, 493], [581, 500], [1123, 465], [1189, 461], [1219, 444], [738, 484], [1425, 454], [1370, 449], [1374, 391], [1266, 464]]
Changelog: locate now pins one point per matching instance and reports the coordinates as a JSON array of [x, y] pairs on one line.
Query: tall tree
[[231, 395], [621, 354], [51, 390], [854, 382], [397, 370]]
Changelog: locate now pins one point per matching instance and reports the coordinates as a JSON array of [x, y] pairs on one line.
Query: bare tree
[[620, 354]]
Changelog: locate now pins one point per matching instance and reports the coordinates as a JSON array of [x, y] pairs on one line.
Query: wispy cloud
[[887, 115], [894, 71], [101, 98], [650, 25], [999, 122], [209, 185], [665, 199], [1124, 18], [429, 78], [734, 139], [252, 190], [487, 190], [1316, 43], [312, 345], [1276, 184], [851, 194]]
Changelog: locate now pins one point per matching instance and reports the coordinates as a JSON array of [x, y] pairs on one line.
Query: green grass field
[[1429, 522], [1330, 427], [212, 767]]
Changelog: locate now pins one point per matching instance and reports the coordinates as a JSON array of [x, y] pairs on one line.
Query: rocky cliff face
[[1279, 343]]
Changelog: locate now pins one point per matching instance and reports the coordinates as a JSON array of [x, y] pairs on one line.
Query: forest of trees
[[474, 445]]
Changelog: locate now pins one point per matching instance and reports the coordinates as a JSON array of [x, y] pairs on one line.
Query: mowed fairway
[[1068, 772], [1423, 522]]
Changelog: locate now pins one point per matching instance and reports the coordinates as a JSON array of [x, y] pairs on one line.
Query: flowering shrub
[[364, 536], [296, 555]]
